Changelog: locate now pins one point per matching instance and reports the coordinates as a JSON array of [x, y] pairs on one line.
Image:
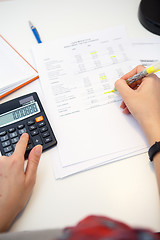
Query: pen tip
[[30, 24]]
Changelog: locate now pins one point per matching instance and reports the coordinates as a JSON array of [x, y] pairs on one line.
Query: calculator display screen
[[19, 114]]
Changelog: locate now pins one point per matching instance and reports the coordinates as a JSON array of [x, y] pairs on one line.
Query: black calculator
[[20, 115]]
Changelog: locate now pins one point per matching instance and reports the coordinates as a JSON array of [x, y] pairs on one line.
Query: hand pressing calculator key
[[20, 115]]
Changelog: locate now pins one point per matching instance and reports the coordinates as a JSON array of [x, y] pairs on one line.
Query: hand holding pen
[[134, 80], [143, 103], [152, 69]]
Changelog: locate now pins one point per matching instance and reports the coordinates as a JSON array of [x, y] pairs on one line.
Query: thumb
[[33, 161], [124, 90]]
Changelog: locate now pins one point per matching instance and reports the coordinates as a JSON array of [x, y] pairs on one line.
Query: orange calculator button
[[39, 119]]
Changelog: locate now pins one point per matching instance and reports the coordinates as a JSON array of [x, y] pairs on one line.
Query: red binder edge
[[23, 84]]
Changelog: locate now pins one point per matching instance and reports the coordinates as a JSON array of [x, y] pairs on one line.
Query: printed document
[[76, 73]]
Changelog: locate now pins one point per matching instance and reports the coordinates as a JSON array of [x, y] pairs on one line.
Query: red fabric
[[103, 228]]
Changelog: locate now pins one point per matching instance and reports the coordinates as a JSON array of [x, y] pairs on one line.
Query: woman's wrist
[[153, 138], [4, 225], [152, 132], [7, 215]]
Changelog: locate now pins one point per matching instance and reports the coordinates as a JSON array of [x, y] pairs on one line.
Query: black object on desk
[[149, 15], [24, 114]]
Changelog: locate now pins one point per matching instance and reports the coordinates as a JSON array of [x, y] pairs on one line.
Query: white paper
[[75, 74], [147, 50], [14, 70]]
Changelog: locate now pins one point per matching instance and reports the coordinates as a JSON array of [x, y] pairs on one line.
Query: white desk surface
[[124, 190]]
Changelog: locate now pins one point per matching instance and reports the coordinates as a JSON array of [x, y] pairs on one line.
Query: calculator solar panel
[[20, 115]]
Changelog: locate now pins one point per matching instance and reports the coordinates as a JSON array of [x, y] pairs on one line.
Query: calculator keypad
[[39, 133]]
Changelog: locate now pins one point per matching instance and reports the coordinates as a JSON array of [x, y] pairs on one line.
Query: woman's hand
[[142, 100], [16, 185]]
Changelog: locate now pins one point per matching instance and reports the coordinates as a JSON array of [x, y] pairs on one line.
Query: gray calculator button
[[21, 131], [14, 145], [32, 127], [30, 122], [6, 143], [14, 134], [20, 126], [34, 132], [7, 149], [43, 129], [15, 140], [9, 154], [41, 124], [10, 130], [48, 139], [3, 133], [4, 138], [37, 140], [45, 134]]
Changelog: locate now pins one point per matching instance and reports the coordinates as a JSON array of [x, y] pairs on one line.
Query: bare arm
[[143, 102], [16, 185]]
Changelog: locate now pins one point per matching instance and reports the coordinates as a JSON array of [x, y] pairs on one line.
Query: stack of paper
[[76, 74], [15, 71]]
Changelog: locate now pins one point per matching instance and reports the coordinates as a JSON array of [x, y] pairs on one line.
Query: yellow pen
[[152, 69]]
